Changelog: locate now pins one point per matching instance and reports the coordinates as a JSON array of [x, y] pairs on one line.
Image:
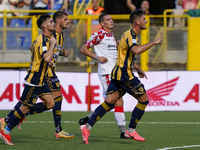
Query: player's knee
[[119, 103], [50, 104]]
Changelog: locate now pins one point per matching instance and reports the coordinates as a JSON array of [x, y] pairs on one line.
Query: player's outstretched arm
[[142, 48], [49, 54], [85, 50]]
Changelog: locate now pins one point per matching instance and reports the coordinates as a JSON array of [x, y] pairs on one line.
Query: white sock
[[88, 127], [130, 130], [120, 118]]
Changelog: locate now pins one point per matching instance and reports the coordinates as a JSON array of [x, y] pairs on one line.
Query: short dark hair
[[135, 14], [58, 14], [101, 17], [42, 19]]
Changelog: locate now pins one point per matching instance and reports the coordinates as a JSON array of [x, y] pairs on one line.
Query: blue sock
[[15, 119], [57, 113], [7, 118], [38, 108], [99, 112], [137, 113]]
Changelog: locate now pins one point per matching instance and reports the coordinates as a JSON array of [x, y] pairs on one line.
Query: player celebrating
[[123, 80], [61, 20], [106, 54], [35, 85]]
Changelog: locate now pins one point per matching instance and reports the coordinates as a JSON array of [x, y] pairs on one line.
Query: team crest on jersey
[[57, 84]]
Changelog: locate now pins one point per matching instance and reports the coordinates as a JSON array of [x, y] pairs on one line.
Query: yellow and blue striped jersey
[[38, 66], [123, 70], [60, 39]]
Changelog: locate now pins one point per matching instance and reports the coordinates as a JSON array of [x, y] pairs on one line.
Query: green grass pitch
[[169, 130]]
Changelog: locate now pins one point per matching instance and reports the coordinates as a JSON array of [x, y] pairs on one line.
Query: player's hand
[[117, 44], [158, 40], [102, 59], [53, 40], [141, 73], [50, 63], [65, 52]]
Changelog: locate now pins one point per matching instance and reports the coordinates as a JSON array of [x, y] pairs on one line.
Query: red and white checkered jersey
[[104, 45]]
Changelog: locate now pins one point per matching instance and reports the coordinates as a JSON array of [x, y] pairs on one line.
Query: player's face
[[142, 22], [108, 22], [64, 22], [145, 6], [50, 25]]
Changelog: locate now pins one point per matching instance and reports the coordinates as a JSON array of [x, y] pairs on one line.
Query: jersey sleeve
[[43, 48], [94, 39], [131, 41]]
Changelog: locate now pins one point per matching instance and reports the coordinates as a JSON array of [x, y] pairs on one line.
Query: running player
[[61, 20], [106, 54], [34, 81], [123, 80]]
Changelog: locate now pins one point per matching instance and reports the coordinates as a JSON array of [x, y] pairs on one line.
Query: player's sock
[[15, 119], [38, 108], [120, 118], [89, 116], [7, 130], [137, 114], [57, 113], [99, 112], [7, 118]]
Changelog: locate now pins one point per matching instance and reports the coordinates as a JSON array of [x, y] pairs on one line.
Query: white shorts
[[105, 81]]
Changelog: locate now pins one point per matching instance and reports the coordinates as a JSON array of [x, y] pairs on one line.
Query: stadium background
[[171, 63]]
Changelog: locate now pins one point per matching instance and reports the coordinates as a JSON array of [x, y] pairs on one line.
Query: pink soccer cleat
[[134, 135], [6, 138], [85, 133]]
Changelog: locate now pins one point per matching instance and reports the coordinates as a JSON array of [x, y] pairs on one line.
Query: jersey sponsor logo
[[134, 41], [44, 48], [112, 47], [58, 47], [157, 93]]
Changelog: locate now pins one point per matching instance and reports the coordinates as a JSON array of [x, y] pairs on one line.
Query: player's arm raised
[[142, 48], [49, 54], [85, 50]]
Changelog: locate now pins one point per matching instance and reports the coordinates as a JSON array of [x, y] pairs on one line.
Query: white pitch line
[[110, 122], [178, 147]]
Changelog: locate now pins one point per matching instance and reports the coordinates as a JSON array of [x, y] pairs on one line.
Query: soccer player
[[35, 83], [61, 21], [106, 54], [123, 80]]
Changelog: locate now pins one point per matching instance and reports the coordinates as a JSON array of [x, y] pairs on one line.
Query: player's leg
[[120, 117], [100, 111], [140, 94], [60, 133], [4, 121], [26, 101], [54, 85]]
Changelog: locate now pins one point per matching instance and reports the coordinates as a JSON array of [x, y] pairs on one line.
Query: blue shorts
[[31, 93], [53, 83], [133, 87]]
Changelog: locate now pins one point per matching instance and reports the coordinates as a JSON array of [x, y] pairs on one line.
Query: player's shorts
[[53, 83], [31, 93], [105, 81], [133, 87]]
